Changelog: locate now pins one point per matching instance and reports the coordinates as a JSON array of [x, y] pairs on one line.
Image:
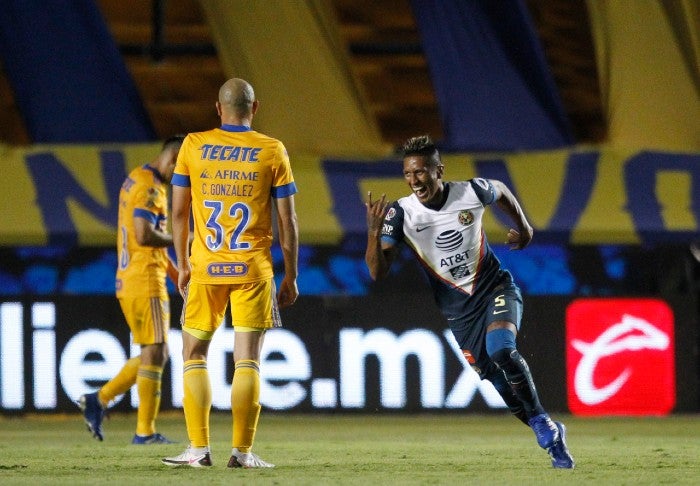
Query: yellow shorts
[[253, 305], [148, 318]]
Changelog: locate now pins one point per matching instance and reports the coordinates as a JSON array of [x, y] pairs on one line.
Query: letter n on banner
[[55, 186]]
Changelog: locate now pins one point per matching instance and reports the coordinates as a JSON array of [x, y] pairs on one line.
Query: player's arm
[[288, 230], [517, 238], [378, 256], [171, 271], [147, 234], [182, 200]]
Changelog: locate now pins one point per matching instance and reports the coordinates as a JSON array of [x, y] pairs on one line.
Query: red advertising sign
[[620, 357]]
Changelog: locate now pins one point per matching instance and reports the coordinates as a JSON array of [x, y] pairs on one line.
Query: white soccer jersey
[[449, 242]]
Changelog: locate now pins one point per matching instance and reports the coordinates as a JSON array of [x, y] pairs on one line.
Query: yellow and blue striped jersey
[[141, 270], [233, 172]]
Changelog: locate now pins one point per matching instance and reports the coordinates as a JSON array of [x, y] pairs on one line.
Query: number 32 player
[[231, 177]]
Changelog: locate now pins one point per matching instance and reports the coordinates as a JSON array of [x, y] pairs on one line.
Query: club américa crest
[[465, 217]]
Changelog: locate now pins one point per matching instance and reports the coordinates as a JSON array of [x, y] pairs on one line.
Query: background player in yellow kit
[[142, 266], [230, 177]]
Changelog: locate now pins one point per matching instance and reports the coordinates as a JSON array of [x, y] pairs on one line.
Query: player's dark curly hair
[[423, 146]]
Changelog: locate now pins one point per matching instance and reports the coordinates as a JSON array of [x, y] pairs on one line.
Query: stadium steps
[[383, 47], [564, 30], [178, 88], [389, 64]]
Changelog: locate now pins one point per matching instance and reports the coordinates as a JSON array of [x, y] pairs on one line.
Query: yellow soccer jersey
[[233, 172], [141, 270]]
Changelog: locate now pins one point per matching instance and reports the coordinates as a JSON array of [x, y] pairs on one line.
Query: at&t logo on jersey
[[450, 241], [620, 357]]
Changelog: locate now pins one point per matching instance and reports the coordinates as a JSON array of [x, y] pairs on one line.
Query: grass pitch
[[362, 450]]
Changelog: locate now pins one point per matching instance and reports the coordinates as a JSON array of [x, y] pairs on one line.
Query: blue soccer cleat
[[150, 439], [559, 452], [93, 414], [545, 430]]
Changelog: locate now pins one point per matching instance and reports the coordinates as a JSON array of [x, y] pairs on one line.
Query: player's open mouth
[[421, 192]]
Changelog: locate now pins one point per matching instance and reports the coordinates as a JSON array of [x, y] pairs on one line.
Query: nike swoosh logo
[[418, 230], [500, 311]]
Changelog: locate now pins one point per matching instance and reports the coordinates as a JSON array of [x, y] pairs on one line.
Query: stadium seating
[[384, 47]]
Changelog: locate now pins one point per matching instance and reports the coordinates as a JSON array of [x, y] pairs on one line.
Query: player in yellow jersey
[[230, 178], [142, 265]]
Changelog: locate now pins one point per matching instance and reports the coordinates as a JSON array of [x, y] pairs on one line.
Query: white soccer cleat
[[246, 460], [189, 458]]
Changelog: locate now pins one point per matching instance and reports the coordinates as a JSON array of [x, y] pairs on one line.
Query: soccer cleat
[[189, 458], [150, 439], [559, 452], [93, 413], [545, 430], [246, 460]]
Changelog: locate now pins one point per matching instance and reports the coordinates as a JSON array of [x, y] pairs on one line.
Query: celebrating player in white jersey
[[442, 224]]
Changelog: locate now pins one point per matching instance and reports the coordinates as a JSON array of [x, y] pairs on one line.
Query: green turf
[[364, 450]]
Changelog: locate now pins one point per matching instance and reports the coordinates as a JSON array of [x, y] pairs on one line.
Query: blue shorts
[[504, 303]]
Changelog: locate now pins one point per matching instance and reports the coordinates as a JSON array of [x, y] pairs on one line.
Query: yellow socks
[[245, 406], [197, 401], [121, 383], [148, 382]]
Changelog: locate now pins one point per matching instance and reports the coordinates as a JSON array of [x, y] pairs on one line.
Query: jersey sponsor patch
[[229, 152], [227, 269], [449, 240], [459, 272]]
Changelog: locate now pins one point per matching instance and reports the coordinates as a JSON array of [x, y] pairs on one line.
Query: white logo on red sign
[[612, 341], [620, 357]]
